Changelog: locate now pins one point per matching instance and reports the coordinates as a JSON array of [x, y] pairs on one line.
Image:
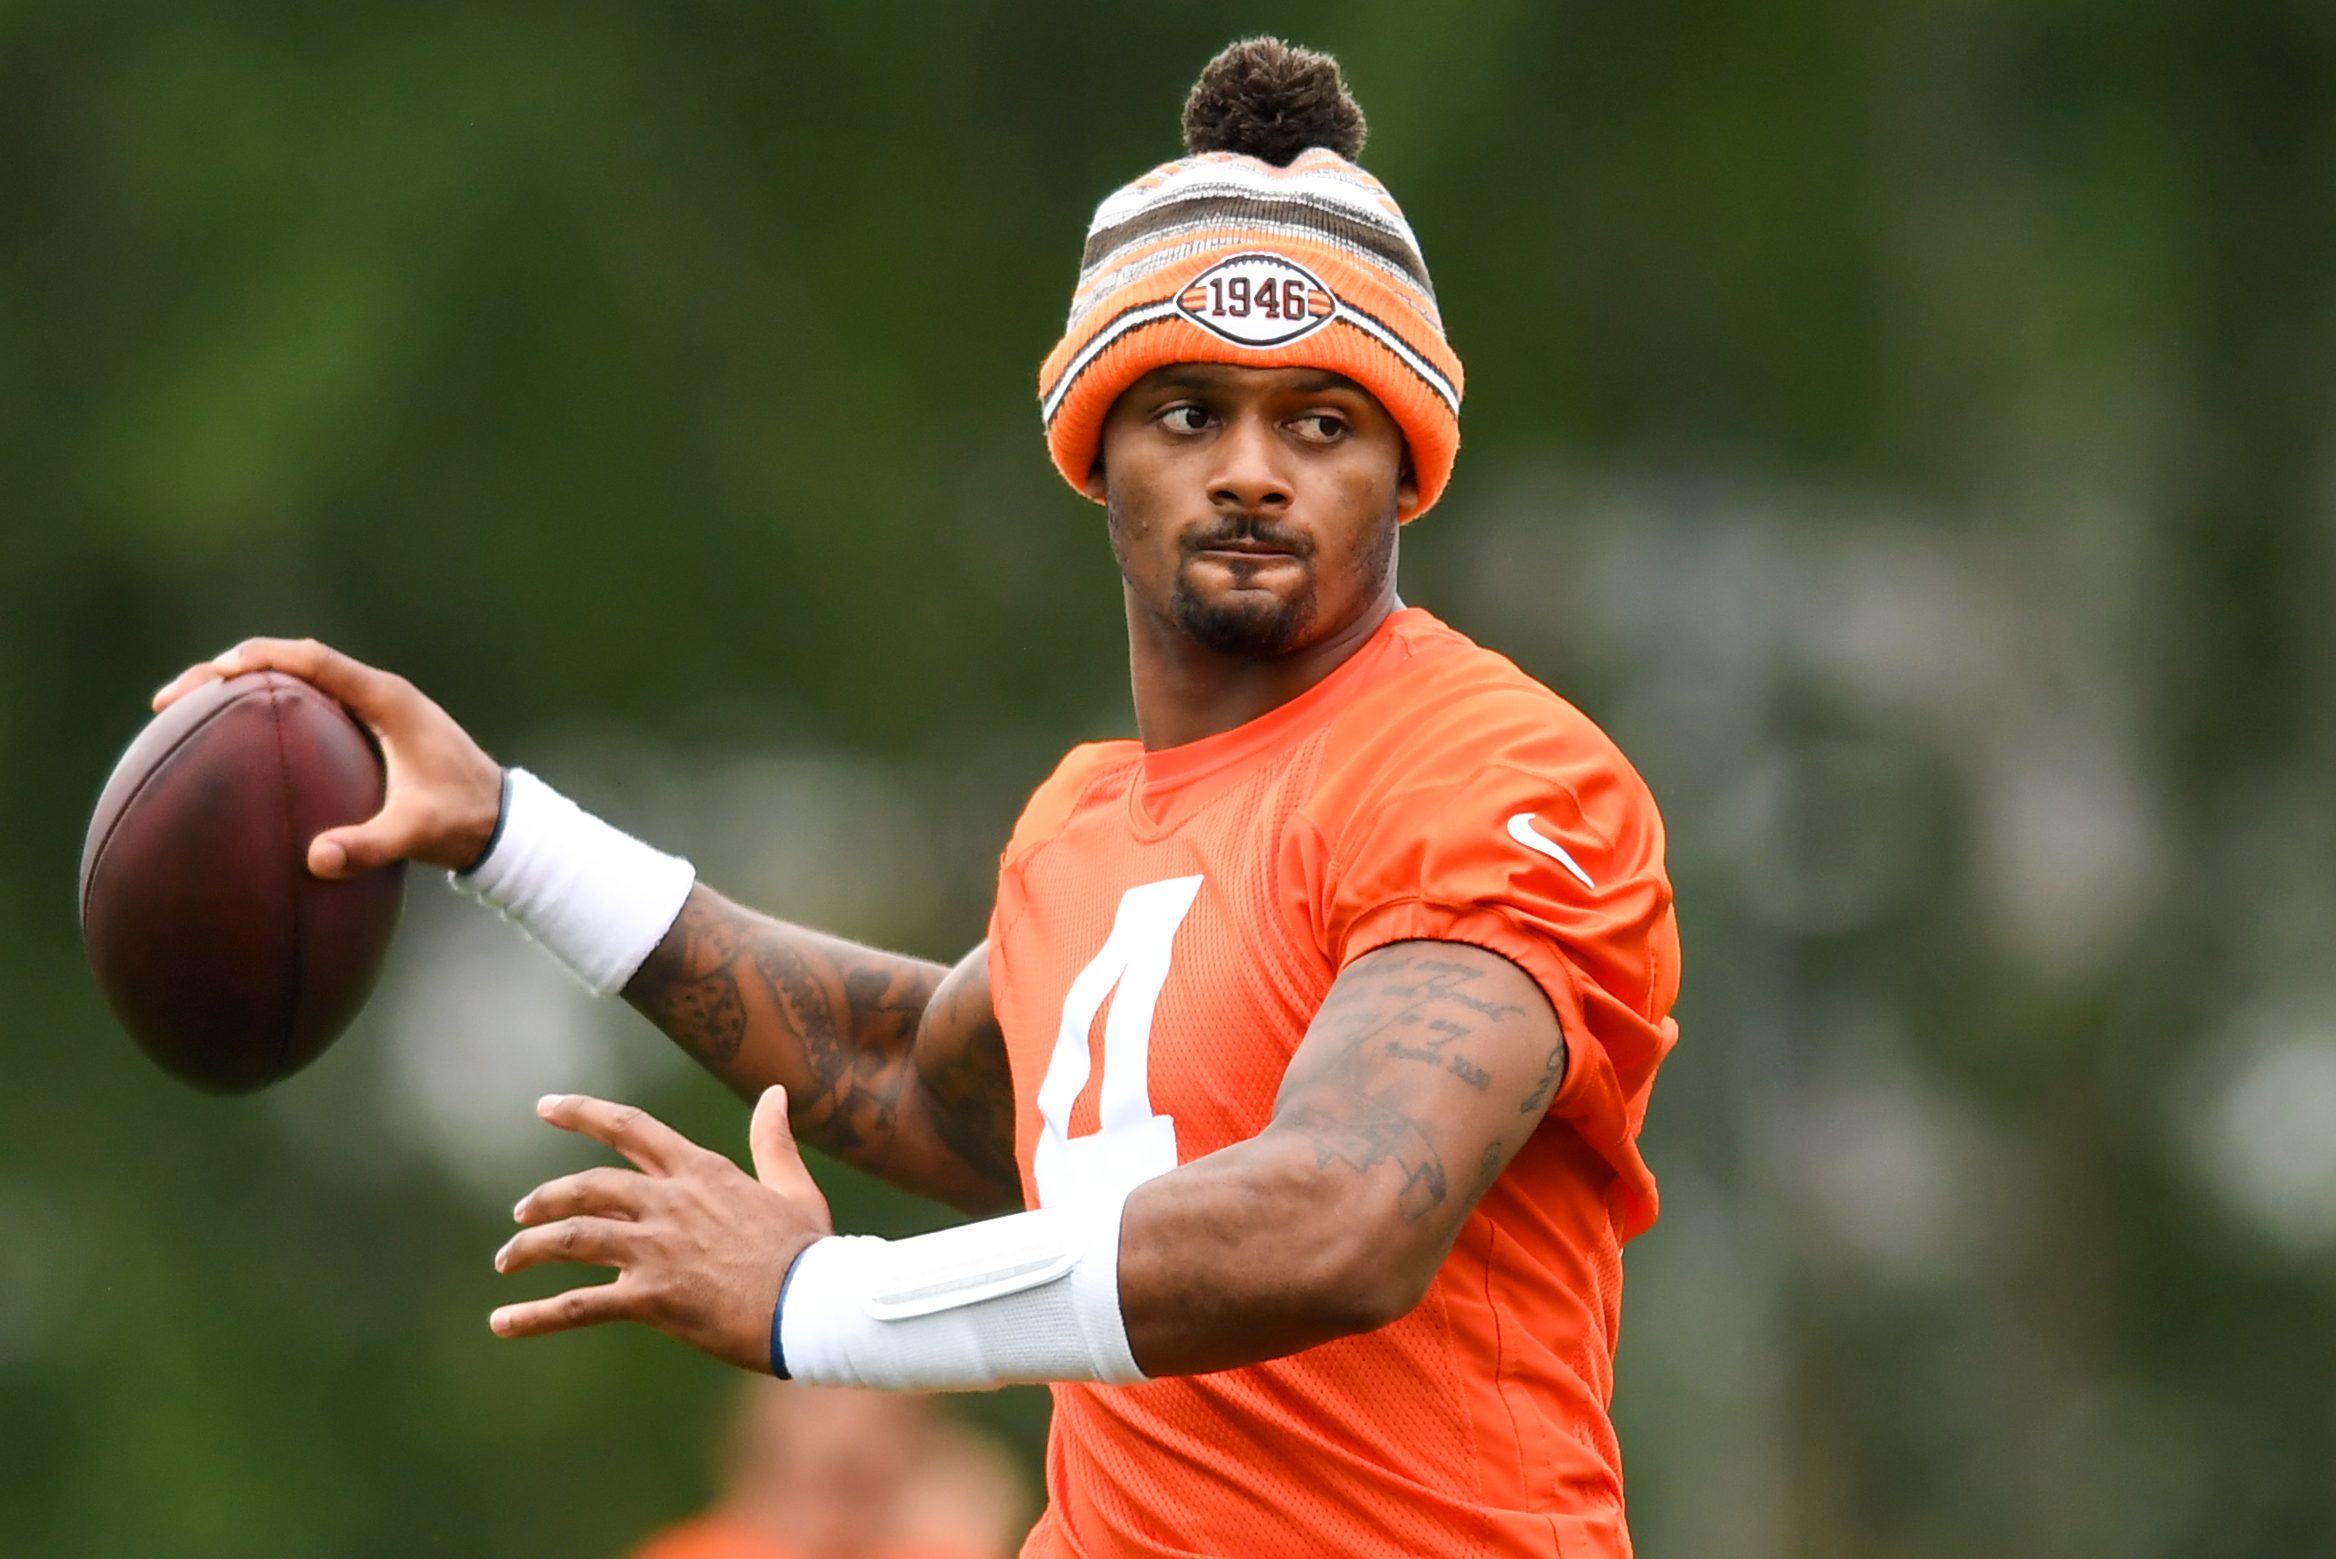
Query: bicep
[[963, 1090], [1422, 1074], [1426, 1068]]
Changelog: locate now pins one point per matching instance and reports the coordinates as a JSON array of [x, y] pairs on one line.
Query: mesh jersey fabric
[[1376, 807]]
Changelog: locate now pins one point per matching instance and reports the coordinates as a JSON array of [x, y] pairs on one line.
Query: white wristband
[[598, 899], [1029, 1297]]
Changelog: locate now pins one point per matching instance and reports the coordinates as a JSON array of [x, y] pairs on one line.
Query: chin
[[1250, 624]]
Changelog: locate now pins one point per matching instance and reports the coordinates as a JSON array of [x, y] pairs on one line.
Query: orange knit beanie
[[1265, 248]]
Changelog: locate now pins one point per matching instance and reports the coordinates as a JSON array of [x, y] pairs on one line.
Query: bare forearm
[[1423, 1073], [961, 1095], [1242, 1256], [890, 1063], [757, 1001]]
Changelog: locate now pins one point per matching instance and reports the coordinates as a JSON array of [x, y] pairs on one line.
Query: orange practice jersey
[[1167, 925]]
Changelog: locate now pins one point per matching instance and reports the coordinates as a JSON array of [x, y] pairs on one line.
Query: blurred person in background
[[810, 1472]]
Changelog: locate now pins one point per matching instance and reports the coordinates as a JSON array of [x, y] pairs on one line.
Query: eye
[[1321, 427], [1184, 417]]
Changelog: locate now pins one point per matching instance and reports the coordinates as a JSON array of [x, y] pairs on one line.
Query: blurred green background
[[1909, 429]]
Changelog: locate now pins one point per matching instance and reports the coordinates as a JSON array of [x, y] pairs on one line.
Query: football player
[[1295, 1092]]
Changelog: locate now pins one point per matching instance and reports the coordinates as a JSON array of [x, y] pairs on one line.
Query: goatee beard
[[1247, 625]]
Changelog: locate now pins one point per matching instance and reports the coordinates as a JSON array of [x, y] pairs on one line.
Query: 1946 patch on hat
[[1223, 257], [1259, 300]]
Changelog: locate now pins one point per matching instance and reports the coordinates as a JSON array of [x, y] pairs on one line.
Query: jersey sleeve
[[1527, 835]]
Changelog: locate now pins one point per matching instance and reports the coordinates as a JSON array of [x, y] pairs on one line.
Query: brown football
[[226, 960]]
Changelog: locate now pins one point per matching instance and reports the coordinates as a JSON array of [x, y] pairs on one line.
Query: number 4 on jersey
[[1130, 1143]]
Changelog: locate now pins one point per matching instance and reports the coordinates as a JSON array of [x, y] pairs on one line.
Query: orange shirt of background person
[[832, 1474]]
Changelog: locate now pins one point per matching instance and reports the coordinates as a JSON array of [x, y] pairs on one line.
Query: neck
[[1186, 692]]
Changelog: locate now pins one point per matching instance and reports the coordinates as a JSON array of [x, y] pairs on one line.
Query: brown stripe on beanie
[[1229, 205]]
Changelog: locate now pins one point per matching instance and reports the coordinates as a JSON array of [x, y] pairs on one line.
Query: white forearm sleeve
[[598, 899], [1029, 1297]]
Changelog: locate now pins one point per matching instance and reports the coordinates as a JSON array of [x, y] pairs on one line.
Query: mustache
[[1252, 529]]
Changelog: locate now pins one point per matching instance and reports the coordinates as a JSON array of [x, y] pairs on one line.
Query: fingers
[[587, 1306], [594, 1242], [605, 1192], [699, 1247], [632, 1131], [770, 1138], [351, 681], [193, 677], [184, 683], [445, 793], [363, 688]]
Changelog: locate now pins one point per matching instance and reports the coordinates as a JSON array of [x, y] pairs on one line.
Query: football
[[225, 959]]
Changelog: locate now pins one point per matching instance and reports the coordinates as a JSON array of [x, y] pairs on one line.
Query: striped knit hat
[[1265, 248]]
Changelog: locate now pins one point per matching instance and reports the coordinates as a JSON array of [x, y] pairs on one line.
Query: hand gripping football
[[225, 959]]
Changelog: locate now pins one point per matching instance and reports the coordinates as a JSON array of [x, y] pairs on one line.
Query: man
[[1314, 1029], [813, 1473]]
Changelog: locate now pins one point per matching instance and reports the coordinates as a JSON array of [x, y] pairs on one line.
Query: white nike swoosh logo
[[1522, 830]]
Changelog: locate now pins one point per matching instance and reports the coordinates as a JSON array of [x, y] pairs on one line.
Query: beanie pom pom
[[1266, 99]]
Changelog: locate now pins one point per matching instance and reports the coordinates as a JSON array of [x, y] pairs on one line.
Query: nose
[[1249, 474]]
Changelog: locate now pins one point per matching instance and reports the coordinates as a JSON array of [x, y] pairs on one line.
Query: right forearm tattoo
[[969, 1092], [757, 1001]]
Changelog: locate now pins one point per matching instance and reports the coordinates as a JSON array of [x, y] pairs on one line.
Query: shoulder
[[1059, 795], [1449, 715], [1464, 801]]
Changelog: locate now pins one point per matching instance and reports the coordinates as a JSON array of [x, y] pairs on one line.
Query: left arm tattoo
[[1426, 1069], [1417, 1049]]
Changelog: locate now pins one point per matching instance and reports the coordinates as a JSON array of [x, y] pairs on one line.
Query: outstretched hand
[[444, 792], [700, 1248]]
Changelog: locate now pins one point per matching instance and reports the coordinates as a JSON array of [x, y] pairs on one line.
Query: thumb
[[344, 852], [771, 1140]]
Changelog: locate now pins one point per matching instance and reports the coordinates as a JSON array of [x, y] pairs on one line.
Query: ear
[[1406, 486], [1097, 486]]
